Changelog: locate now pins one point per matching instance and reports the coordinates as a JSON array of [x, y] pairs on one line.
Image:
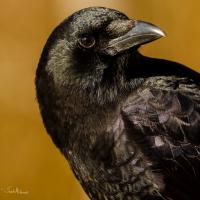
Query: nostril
[[119, 27]]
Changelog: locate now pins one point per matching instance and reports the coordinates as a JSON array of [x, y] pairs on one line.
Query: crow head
[[91, 51]]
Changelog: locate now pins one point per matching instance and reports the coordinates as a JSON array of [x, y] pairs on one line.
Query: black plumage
[[129, 125]]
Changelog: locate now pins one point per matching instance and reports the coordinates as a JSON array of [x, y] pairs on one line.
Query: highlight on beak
[[141, 33]]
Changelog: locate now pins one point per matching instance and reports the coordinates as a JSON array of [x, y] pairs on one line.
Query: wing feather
[[166, 112]]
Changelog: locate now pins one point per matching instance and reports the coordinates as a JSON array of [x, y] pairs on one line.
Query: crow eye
[[87, 42]]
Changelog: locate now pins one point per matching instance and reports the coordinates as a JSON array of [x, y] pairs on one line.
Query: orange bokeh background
[[29, 160]]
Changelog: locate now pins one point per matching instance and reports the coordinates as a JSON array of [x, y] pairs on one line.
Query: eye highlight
[[87, 42]]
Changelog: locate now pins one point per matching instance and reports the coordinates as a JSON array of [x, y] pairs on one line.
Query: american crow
[[129, 125]]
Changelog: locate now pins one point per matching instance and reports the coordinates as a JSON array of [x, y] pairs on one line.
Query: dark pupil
[[87, 42]]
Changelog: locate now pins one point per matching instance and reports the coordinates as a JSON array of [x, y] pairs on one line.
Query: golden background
[[29, 160]]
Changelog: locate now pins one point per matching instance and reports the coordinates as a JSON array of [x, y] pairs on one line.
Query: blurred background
[[30, 163]]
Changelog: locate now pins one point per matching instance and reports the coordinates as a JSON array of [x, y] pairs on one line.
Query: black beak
[[140, 33]]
